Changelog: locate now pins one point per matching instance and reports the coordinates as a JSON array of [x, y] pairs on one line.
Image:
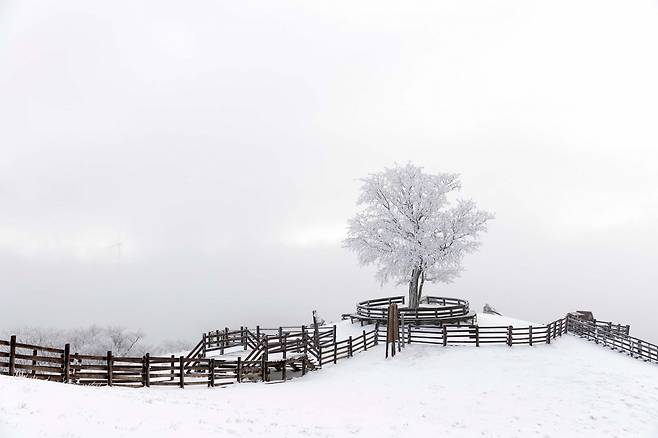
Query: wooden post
[[239, 370], [401, 337], [147, 371], [285, 346], [334, 333], [110, 366], [67, 363], [34, 361], [264, 368], [408, 333], [530, 335], [243, 337], [173, 368], [305, 340], [349, 347], [258, 332], [204, 341], [335, 351], [365, 345], [12, 355], [284, 372], [509, 335], [316, 329], [376, 333], [444, 334], [181, 368], [226, 343], [304, 359], [211, 373], [477, 335], [217, 338], [548, 333]]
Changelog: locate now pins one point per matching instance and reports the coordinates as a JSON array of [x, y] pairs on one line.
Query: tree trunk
[[414, 296]]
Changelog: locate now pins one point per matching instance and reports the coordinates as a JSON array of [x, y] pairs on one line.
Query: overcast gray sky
[[183, 166]]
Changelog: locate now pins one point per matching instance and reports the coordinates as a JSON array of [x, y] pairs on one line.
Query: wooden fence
[[299, 349], [479, 335], [615, 337], [376, 310]]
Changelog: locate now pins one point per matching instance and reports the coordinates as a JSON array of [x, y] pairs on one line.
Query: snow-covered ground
[[570, 388]]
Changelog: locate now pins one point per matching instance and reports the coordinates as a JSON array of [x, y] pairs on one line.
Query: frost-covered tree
[[411, 231]]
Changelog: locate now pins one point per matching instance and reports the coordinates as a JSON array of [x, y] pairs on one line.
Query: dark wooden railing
[[299, 347]]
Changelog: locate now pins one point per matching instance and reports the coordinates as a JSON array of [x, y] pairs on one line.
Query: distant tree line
[[96, 340]]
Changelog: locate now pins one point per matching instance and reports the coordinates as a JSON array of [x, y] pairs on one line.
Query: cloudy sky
[[179, 167]]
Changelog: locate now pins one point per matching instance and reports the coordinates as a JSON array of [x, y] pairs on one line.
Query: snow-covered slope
[[569, 388]]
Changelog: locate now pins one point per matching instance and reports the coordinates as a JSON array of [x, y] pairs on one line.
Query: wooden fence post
[[509, 335], [305, 340], [285, 346], [146, 362], [204, 341], [477, 335], [409, 334], [349, 347], [258, 332], [34, 361], [173, 368], [365, 345], [444, 334], [566, 324], [334, 333], [316, 330], [335, 351], [530, 335], [376, 333], [239, 370], [181, 368], [67, 362], [243, 337], [264, 368], [12, 355], [304, 359], [211, 373], [548, 333], [110, 368]]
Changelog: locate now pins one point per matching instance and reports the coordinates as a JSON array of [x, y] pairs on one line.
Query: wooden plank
[[12, 355]]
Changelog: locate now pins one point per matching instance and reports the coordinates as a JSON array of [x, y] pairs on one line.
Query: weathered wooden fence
[[298, 349], [479, 335], [615, 337]]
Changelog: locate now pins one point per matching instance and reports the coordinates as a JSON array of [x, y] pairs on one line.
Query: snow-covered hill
[[566, 389]]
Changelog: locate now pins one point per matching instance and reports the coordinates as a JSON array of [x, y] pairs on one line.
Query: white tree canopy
[[409, 229]]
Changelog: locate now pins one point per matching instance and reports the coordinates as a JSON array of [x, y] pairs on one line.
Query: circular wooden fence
[[436, 310]]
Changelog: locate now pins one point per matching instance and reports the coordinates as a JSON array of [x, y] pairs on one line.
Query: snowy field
[[566, 389]]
